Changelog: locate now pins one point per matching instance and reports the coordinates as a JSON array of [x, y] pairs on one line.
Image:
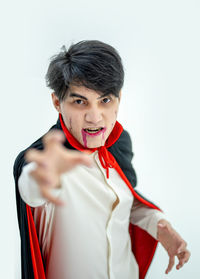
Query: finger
[[47, 194], [180, 264], [33, 155], [182, 247], [53, 137], [187, 255], [183, 258], [170, 265], [84, 160], [43, 177], [76, 158]]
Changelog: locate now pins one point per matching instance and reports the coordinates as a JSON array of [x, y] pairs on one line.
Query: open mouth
[[93, 130]]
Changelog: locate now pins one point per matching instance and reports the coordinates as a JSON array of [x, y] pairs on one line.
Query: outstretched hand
[[173, 244], [51, 162]]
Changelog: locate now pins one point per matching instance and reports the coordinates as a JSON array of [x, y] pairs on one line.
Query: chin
[[95, 144]]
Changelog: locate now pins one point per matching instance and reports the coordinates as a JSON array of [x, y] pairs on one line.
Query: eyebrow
[[77, 95], [73, 94]]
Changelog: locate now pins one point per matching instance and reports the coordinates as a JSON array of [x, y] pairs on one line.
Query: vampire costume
[[115, 154]]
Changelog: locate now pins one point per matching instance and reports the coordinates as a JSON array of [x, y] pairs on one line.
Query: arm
[[155, 223], [174, 245], [145, 217]]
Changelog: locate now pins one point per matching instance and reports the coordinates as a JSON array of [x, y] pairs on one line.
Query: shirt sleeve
[[29, 189], [146, 218]]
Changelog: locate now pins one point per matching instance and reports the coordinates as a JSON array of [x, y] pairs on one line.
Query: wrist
[[162, 224]]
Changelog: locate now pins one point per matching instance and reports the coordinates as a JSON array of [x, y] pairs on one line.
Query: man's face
[[88, 116]]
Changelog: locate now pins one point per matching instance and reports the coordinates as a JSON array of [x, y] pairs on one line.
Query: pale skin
[[84, 108]]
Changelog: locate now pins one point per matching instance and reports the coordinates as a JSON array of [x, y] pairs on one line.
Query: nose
[[93, 115]]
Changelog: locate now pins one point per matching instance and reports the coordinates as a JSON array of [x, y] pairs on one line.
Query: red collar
[[113, 137]]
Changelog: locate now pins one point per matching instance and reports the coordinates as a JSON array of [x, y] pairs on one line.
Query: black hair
[[90, 63]]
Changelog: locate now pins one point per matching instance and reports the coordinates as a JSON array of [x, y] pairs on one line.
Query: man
[[79, 214]]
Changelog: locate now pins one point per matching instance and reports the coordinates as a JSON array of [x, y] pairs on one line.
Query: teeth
[[91, 130]]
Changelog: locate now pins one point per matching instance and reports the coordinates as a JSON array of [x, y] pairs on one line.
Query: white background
[[159, 44]]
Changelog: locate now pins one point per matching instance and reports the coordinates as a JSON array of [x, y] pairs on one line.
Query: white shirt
[[89, 237]]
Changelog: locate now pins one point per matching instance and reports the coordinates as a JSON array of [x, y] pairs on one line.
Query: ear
[[56, 102]]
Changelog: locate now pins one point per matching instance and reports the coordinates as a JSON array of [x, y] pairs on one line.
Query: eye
[[79, 102], [106, 100]]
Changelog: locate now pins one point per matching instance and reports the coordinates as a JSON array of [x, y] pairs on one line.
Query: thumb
[[83, 159]]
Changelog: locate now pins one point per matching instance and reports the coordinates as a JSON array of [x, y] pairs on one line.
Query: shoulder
[[124, 140], [123, 145], [20, 161]]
